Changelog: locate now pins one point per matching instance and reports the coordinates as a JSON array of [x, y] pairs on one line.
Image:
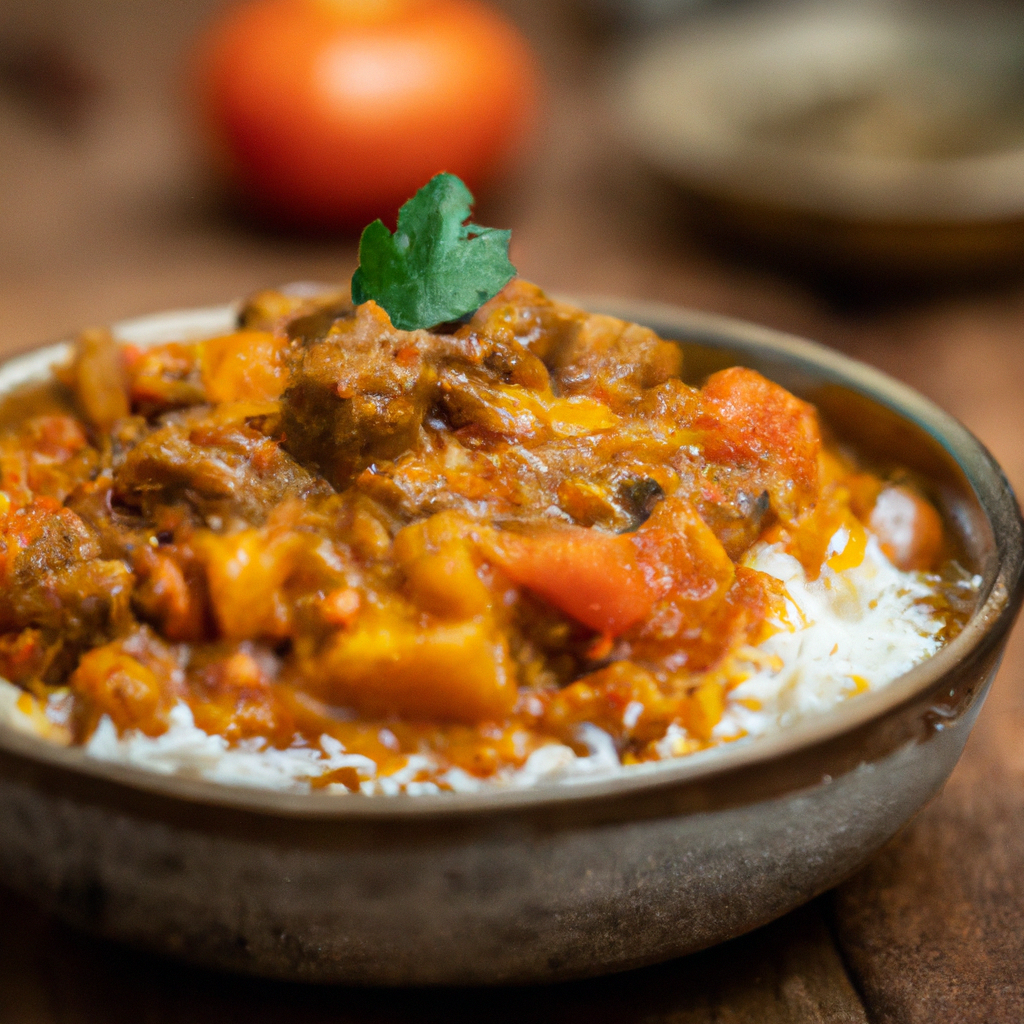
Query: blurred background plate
[[867, 139]]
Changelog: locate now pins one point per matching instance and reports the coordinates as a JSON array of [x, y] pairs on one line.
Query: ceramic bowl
[[882, 138], [560, 881]]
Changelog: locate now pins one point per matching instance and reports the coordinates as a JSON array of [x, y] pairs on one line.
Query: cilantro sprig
[[436, 267]]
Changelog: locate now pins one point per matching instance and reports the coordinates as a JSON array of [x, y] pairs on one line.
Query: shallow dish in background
[[549, 882], [871, 138]]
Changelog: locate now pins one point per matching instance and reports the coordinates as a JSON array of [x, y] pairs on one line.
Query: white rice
[[868, 624], [843, 633]]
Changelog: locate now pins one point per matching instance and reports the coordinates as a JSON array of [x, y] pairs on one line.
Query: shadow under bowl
[[558, 881]]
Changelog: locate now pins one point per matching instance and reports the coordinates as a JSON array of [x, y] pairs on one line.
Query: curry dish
[[471, 541]]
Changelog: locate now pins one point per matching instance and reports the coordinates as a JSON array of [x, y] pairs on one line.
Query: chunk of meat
[[225, 472], [52, 576], [521, 314], [529, 416], [120, 532], [289, 306], [359, 395], [613, 361], [443, 473], [53, 580], [470, 397]]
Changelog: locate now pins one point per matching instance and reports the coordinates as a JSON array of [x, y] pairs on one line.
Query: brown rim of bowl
[[1001, 595]]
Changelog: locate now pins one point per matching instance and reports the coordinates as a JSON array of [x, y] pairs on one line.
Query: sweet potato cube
[[440, 574], [246, 573], [244, 366], [446, 672], [121, 686]]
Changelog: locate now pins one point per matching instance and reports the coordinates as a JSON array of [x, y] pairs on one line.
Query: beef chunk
[[225, 472], [358, 395], [297, 307], [613, 361], [523, 314], [54, 579]]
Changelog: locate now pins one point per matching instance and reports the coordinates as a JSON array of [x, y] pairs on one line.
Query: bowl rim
[[960, 190], [1001, 595]]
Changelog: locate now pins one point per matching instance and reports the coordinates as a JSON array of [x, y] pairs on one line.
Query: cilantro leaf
[[437, 266]]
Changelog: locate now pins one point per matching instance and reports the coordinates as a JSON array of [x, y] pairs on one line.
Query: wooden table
[[106, 214]]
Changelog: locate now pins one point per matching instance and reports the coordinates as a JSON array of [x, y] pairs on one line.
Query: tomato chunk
[[682, 558], [750, 422], [592, 576]]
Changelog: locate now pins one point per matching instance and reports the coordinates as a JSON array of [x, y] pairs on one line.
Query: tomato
[[590, 575], [330, 113]]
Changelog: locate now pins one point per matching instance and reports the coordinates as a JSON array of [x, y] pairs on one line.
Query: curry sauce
[[469, 540]]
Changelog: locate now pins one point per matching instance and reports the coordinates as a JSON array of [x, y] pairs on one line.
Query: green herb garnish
[[436, 267]]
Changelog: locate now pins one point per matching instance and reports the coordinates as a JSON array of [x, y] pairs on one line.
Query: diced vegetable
[[592, 576], [165, 377], [703, 710], [99, 379], [449, 672], [683, 561], [440, 575], [751, 423], [244, 366], [249, 573], [129, 682], [232, 696], [172, 593], [623, 699]]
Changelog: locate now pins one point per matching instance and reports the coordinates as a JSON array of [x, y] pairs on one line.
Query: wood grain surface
[[787, 972], [107, 213]]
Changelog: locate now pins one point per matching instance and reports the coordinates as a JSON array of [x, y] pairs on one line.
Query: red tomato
[[332, 112]]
